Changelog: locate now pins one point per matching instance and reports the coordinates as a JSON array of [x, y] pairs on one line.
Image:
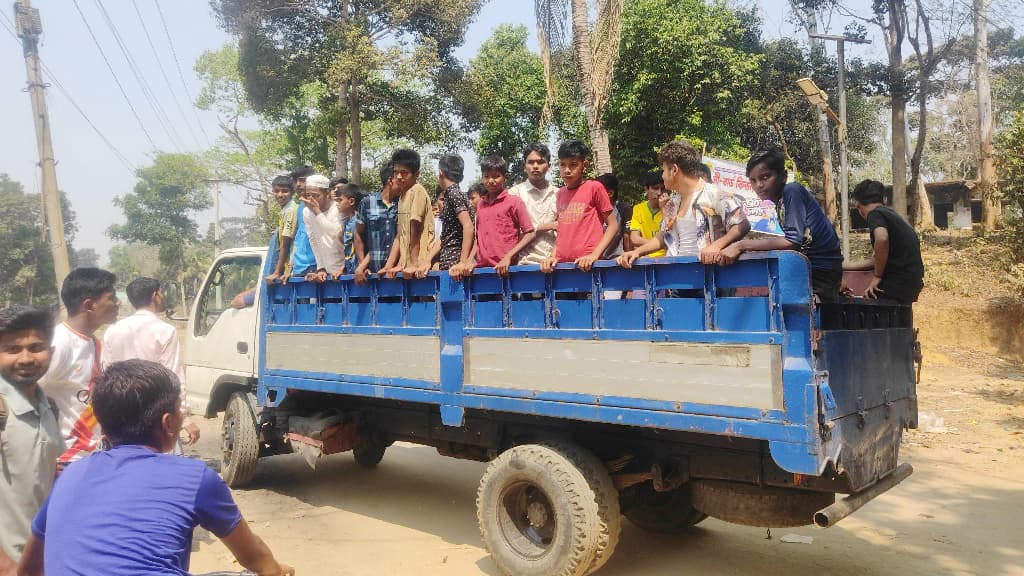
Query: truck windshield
[[231, 277]]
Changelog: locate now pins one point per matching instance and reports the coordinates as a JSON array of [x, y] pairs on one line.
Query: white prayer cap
[[317, 181]]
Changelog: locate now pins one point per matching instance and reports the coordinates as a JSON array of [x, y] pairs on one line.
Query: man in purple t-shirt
[[131, 510]]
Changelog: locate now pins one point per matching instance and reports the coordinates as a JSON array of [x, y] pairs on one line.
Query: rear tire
[[368, 453], [669, 512], [540, 514], [762, 506], [239, 441]]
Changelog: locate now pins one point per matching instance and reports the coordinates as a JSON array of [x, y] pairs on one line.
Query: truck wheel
[[669, 512], [540, 515], [368, 453], [762, 506], [239, 441]]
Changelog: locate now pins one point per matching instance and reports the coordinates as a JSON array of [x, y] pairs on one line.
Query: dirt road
[[962, 512]]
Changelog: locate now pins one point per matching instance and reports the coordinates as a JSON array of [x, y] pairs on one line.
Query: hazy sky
[[88, 170]]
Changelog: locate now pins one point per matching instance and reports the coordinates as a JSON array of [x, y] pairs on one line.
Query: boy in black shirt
[[899, 271]]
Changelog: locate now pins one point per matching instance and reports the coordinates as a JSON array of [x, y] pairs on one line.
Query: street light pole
[[844, 164]]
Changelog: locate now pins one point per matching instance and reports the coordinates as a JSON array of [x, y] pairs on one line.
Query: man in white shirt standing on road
[[540, 197], [145, 336], [88, 295], [324, 227]]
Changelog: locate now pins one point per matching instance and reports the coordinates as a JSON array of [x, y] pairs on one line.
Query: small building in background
[[956, 204]]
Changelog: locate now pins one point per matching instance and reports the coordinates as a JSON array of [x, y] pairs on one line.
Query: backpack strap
[[3, 413]]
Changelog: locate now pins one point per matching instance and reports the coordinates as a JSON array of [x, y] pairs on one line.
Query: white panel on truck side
[[377, 355], [743, 375]]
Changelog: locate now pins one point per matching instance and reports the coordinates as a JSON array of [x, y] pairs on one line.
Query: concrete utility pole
[[844, 164], [30, 27]]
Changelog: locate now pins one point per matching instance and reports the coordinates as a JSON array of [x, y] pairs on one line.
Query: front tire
[[540, 514], [239, 441]]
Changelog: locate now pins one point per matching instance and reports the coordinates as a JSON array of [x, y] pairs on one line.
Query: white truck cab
[[220, 342]]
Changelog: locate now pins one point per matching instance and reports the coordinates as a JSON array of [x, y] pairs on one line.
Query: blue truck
[[726, 392]]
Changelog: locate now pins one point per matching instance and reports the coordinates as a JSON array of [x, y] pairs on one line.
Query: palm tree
[[594, 54]]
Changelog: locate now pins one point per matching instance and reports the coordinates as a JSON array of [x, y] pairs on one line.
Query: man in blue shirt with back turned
[[807, 229], [131, 510]]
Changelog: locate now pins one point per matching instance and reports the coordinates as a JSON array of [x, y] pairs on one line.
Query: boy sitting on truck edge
[[503, 228], [347, 197], [806, 227], [456, 215], [896, 262], [700, 219], [646, 221], [132, 509], [287, 225], [583, 205], [323, 224], [540, 197], [623, 213], [376, 222], [415, 218], [303, 259]]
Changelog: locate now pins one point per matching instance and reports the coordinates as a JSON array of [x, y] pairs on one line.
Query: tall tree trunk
[[354, 105], [584, 63], [341, 137], [990, 208], [894, 32], [810, 20]]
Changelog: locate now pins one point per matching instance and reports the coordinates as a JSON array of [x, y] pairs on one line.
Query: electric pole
[[30, 27], [844, 164]]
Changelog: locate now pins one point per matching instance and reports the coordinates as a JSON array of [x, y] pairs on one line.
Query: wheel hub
[[537, 514]]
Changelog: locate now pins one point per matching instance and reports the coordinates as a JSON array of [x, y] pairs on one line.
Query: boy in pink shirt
[[503, 225], [583, 206]]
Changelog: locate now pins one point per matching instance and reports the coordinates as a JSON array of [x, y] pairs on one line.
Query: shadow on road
[[940, 521]]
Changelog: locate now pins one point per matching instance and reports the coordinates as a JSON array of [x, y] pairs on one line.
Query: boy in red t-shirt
[[583, 205], [503, 225]]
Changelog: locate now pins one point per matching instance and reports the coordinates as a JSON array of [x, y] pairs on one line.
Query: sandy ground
[[962, 512]]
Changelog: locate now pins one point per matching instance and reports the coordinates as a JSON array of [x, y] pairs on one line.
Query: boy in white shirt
[[88, 295], [698, 219], [324, 227], [145, 336]]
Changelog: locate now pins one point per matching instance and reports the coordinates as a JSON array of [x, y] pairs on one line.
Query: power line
[[160, 65], [114, 74], [64, 91], [181, 76], [147, 92]]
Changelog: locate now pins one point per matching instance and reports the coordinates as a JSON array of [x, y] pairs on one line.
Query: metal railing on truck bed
[[717, 350]]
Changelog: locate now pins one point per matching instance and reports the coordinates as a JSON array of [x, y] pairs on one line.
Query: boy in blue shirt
[[804, 223], [131, 510]]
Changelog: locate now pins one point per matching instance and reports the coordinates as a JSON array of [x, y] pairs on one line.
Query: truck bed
[[739, 351]]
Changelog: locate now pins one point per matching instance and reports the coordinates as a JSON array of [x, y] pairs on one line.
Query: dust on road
[[962, 512]]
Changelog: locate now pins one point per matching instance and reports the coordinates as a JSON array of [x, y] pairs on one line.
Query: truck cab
[[220, 342]]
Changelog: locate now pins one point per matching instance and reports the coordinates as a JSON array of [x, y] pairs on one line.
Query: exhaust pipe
[[830, 515]]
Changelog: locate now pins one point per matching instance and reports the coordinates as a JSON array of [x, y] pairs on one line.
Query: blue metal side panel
[[685, 302]]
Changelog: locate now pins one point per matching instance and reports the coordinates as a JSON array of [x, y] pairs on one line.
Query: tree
[[679, 77], [499, 96], [986, 163], [286, 43], [130, 261], [160, 210], [85, 258], [594, 55]]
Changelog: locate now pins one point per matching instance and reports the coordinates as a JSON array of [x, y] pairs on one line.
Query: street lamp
[[817, 98]]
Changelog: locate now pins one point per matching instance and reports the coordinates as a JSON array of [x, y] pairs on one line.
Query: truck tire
[[239, 441], [762, 506], [539, 514], [368, 454], [669, 512], [609, 513]]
